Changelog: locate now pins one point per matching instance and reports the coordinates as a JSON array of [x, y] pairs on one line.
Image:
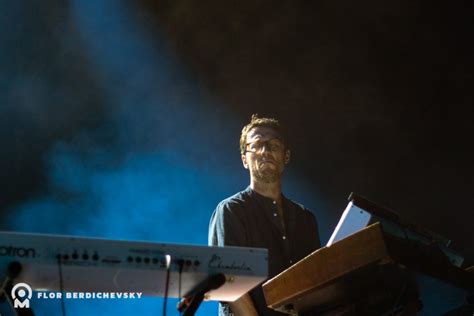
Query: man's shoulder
[[296, 204], [300, 208], [237, 200]]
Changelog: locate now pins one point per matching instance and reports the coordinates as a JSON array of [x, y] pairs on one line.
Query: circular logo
[[22, 291]]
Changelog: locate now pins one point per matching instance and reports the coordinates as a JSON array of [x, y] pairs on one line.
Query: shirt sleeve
[[226, 228]]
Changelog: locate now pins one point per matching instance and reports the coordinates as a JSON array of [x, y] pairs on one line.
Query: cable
[[61, 285], [181, 265], [167, 284]]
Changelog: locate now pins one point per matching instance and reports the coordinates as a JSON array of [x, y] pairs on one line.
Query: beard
[[265, 176]]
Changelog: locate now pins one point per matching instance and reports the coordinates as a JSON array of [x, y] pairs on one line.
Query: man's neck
[[270, 190]]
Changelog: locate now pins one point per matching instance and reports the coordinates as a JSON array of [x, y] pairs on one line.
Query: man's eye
[[271, 146]]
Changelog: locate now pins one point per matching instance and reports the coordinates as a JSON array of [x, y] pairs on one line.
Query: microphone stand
[[193, 299]]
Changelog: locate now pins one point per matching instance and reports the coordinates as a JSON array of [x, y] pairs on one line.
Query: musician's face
[[265, 154]]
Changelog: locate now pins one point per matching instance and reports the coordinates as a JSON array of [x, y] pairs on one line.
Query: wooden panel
[[366, 265], [326, 265]]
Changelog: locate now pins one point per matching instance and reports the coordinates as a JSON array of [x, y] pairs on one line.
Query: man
[[261, 216]]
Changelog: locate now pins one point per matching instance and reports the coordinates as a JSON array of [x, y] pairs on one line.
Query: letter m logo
[[24, 304]]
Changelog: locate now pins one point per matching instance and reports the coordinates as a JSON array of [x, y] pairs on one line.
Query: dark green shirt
[[248, 219]]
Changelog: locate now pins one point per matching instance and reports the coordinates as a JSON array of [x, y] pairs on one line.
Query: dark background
[[376, 96]]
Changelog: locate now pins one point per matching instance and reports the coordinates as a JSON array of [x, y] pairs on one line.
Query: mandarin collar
[[262, 197]]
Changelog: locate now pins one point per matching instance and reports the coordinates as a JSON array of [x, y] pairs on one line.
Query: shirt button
[[275, 214], [284, 237], [274, 202]]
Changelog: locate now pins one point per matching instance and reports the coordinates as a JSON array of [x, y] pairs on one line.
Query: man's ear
[[244, 161], [287, 156]]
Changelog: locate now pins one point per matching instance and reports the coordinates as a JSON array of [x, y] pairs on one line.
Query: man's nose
[[265, 149]]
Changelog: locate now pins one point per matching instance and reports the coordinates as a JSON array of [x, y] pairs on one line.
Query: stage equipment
[[79, 264], [386, 268]]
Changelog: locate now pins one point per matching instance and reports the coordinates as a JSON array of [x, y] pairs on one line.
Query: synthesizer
[[361, 213], [104, 265]]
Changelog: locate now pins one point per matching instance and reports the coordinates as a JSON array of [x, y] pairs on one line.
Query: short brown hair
[[256, 121]]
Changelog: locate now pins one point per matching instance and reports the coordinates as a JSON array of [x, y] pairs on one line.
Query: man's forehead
[[263, 133]]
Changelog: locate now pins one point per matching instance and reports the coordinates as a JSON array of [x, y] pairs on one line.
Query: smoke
[[152, 169], [143, 154]]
